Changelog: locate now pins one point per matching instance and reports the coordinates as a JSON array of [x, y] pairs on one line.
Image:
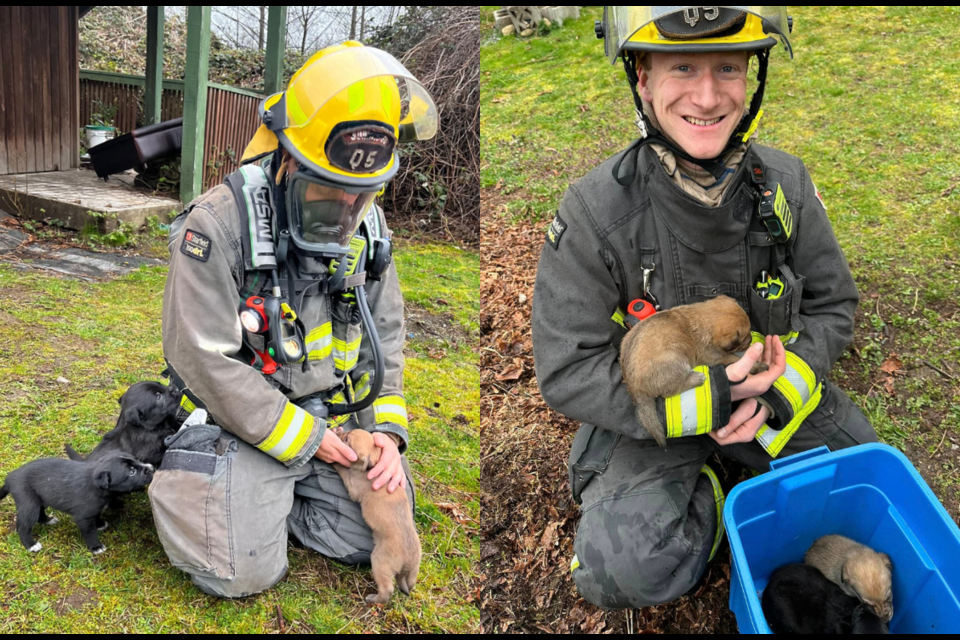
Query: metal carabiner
[[646, 285]]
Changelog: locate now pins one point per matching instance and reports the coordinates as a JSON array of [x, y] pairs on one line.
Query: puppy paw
[[375, 598], [103, 526], [98, 550], [758, 367], [35, 548]]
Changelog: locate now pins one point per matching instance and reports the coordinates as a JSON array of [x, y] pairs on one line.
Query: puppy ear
[[102, 480], [364, 461], [132, 416], [375, 456]]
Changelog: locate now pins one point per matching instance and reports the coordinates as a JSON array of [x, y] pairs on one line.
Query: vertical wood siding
[[39, 76]]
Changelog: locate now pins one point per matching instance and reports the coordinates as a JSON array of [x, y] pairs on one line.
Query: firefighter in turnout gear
[[283, 319], [695, 208]]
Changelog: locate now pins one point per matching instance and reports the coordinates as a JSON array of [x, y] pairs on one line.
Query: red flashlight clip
[[641, 309]]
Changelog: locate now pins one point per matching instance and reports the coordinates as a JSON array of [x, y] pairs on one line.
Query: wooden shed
[[39, 89], [40, 95]]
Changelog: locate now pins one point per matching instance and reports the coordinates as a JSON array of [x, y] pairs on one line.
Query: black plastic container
[[137, 148]]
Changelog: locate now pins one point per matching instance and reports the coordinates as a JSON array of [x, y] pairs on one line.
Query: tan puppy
[[658, 355], [396, 547], [859, 570]]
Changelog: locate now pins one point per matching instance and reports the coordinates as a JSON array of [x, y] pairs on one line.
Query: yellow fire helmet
[[343, 114], [340, 120], [692, 29]]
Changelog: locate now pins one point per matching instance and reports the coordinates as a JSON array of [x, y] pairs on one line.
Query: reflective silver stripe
[[318, 345], [774, 440], [688, 408], [391, 409], [290, 434], [797, 382]]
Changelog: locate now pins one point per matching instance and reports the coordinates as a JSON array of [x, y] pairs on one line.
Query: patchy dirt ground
[[529, 519]]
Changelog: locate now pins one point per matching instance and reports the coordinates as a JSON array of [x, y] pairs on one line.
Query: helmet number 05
[[357, 159]]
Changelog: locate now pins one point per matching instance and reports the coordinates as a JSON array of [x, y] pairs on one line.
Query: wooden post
[[276, 45], [154, 89], [195, 102]]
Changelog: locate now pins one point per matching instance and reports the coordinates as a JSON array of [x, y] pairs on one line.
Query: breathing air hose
[[371, 330]]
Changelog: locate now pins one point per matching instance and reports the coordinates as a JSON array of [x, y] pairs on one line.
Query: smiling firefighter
[[692, 210]]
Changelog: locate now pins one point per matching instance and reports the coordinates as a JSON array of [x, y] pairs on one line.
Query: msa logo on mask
[[366, 148]]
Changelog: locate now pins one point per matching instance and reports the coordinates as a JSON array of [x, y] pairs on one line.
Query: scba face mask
[[324, 216]]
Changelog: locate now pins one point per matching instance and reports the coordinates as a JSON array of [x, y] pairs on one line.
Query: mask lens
[[322, 215]]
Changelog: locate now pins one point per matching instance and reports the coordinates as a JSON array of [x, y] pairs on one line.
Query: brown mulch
[[529, 519]]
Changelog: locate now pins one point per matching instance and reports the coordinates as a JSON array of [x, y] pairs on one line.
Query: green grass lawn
[[102, 337], [871, 103]]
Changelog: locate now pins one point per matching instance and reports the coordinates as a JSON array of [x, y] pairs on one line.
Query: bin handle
[[798, 457]]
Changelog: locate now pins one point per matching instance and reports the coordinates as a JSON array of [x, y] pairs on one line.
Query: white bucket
[[97, 135]]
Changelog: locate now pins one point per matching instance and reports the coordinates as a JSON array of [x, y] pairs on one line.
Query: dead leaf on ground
[[892, 365], [459, 516], [513, 371], [888, 385]]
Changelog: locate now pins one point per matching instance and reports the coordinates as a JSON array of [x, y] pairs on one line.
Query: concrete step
[[79, 200]]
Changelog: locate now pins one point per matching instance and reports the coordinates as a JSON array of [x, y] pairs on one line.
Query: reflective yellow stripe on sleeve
[[786, 339], [773, 440], [291, 432], [691, 412], [390, 409], [800, 388]]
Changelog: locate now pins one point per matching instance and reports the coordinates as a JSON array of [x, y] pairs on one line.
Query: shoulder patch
[[555, 230], [196, 245]]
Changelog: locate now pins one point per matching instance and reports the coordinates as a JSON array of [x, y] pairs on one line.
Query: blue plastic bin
[[870, 493]]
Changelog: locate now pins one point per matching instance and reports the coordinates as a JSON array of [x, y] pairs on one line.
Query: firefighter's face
[[697, 97]]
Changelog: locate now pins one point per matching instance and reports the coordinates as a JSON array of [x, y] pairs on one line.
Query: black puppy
[[148, 414], [800, 599], [866, 621], [81, 489]]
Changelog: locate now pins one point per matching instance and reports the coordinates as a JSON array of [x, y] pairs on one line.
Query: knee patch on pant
[[254, 584], [639, 550]]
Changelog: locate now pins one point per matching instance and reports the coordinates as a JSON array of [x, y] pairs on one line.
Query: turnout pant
[[650, 516], [224, 510]]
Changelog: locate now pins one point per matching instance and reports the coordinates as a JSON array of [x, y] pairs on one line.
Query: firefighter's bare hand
[[773, 355], [388, 471], [333, 449], [743, 425]]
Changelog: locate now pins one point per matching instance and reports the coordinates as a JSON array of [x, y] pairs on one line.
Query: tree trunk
[[363, 20], [353, 25], [263, 22]]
